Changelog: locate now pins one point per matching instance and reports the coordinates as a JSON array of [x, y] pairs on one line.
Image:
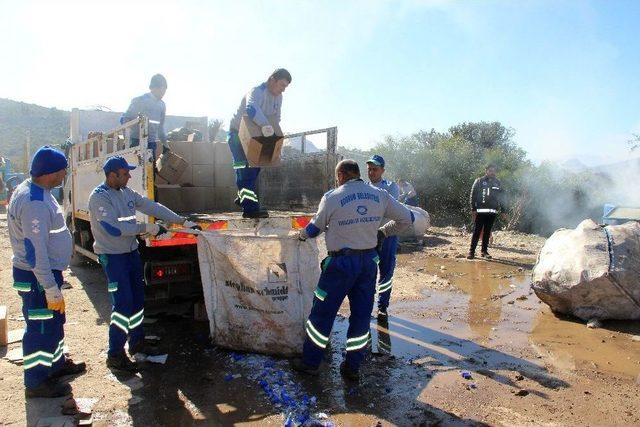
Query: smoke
[[552, 197]]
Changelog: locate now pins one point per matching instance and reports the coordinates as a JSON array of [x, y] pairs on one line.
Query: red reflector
[[300, 221], [158, 272], [218, 225]]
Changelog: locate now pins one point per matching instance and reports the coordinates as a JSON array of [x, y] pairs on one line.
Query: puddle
[[573, 346], [494, 308]]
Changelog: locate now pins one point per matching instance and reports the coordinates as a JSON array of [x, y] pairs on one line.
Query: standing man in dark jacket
[[486, 201]]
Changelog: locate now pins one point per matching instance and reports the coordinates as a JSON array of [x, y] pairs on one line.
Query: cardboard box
[[260, 150], [222, 154], [202, 153], [202, 176], [170, 166], [183, 149], [4, 327]]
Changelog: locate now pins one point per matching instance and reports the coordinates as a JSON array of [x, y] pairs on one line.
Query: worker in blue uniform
[[152, 107], [375, 170], [41, 244], [351, 216], [112, 208], [263, 101]]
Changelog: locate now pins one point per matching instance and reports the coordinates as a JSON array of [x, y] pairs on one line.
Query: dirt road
[[448, 315]]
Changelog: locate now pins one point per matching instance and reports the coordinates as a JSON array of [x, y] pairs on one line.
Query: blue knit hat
[[47, 160]]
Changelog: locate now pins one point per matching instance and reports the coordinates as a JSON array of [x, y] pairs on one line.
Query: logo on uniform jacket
[[131, 204], [362, 210], [35, 226]]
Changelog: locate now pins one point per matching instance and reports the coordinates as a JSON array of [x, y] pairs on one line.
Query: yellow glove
[[55, 301]]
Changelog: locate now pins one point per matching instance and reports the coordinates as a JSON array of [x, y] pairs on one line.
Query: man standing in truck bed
[[261, 102], [151, 106], [113, 207]]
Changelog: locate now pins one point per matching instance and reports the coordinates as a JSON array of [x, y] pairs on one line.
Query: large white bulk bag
[[591, 272], [258, 290]]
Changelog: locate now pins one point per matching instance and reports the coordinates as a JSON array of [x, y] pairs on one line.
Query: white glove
[[55, 301], [300, 235], [154, 229], [192, 225], [267, 130]]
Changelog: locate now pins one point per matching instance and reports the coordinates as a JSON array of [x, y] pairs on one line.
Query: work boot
[[256, 214], [485, 255], [349, 373], [70, 368], [300, 366], [50, 388], [121, 363], [471, 255]]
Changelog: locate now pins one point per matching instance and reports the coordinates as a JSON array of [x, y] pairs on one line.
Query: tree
[[483, 134]]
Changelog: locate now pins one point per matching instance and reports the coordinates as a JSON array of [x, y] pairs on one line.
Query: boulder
[[591, 272]]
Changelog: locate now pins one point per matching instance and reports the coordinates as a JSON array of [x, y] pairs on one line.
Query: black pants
[[483, 224]]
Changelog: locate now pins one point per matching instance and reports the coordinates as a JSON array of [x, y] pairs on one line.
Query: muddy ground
[[448, 315]]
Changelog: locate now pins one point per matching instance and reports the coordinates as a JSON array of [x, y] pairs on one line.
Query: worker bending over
[[113, 207]]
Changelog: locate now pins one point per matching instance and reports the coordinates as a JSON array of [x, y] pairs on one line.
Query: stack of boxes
[[208, 182]]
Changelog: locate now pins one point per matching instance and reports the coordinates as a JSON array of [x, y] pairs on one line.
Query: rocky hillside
[[46, 126]]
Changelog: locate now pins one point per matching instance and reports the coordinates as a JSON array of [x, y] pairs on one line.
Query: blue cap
[[376, 160], [114, 163], [47, 160]]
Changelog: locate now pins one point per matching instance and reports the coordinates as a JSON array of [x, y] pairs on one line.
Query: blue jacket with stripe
[[258, 105], [351, 214], [113, 218], [38, 233]]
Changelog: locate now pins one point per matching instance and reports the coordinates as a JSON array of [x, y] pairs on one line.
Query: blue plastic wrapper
[[466, 375]]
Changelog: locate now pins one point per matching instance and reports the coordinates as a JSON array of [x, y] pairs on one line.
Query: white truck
[[205, 194]]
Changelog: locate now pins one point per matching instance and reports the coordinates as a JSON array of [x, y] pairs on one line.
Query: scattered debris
[[15, 336], [60, 421], [466, 375], [635, 338], [66, 285], [522, 393], [15, 356], [161, 359], [594, 324], [135, 400], [519, 377]]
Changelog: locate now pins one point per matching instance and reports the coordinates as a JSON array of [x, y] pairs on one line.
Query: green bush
[[443, 166]]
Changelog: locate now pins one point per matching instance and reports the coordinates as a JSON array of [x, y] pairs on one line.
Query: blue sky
[[563, 74]]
